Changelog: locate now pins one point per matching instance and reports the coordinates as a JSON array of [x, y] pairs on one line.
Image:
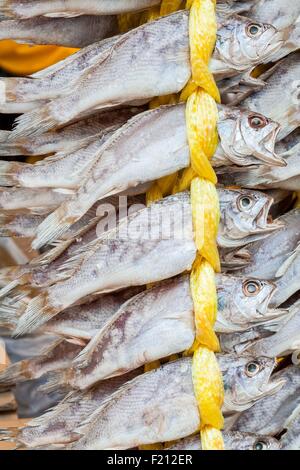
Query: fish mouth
[[263, 308], [269, 156], [264, 222], [272, 387], [272, 46]]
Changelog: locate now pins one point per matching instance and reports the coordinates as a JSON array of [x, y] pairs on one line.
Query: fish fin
[[51, 228], [55, 410], [6, 9], [13, 374], [70, 266], [56, 249], [9, 86], [11, 308], [37, 313], [8, 434], [4, 135], [84, 426], [8, 172], [10, 286], [288, 262], [55, 68], [55, 381], [63, 14], [34, 122], [11, 149]]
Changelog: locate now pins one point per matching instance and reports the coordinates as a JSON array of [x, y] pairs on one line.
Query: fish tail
[[4, 135], [35, 122], [38, 312], [54, 226], [8, 434], [12, 277], [13, 374], [11, 308], [9, 173], [5, 9], [11, 150], [56, 380], [8, 85]]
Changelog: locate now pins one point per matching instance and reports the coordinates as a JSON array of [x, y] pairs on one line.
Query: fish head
[[248, 441], [248, 138], [247, 379], [244, 217], [243, 43], [243, 302]]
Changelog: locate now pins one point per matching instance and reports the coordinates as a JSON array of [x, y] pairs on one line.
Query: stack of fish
[[119, 347]]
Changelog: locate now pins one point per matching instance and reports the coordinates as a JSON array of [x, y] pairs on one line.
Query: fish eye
[[251, 288], [245, 202], [252, 368], [260, 445], [257, 122], [253, 29]]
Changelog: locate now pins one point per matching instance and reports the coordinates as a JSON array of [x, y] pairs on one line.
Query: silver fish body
[[68, 32], [57, 425], [84, 321], [284, 341], [270, 257], [128, 171], [14, 8], [42, 201], [161, 67], [282, 82], [291, 439], [127, 150], [58, 356], [148, 404], [233, 440], [70, 137]]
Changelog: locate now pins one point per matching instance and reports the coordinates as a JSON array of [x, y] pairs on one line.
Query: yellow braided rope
[[201, 116]]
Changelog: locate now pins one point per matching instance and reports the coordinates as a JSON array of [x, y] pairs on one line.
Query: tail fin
[[37, 313], [9, 172], [11, 149], [7, 274], [56, 381], [4, 136], [5, 9], [53, 227], [11, 278], [14, 374], [35, 122], [8, 434], [11, 308], [8, 86]]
